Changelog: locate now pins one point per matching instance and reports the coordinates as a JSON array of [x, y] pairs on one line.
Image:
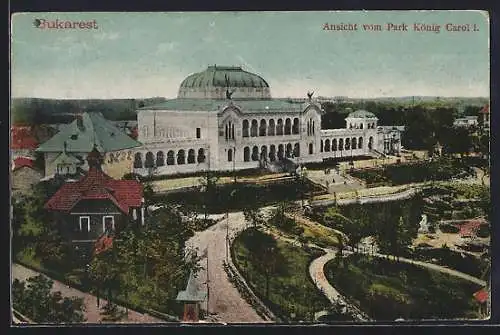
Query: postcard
[[250, 167]]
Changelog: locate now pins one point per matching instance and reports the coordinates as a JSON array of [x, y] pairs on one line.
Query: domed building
[[224, 118]]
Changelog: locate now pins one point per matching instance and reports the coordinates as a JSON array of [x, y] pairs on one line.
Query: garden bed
[[387, 290]]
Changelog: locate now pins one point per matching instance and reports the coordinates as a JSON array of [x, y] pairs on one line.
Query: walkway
[[431, 266], [224, 300], [316, 271], [92, 312]]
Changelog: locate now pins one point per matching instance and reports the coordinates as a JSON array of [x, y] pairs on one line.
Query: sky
[[139, 55]]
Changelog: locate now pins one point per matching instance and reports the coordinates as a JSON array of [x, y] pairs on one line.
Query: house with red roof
[[485, 117], [23, 141], [96, 204], [24, 176]]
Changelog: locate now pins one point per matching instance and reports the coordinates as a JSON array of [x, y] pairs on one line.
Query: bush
[[449, 228]]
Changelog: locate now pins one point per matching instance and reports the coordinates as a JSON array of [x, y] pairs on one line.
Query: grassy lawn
[[388, 291], [292, 295]]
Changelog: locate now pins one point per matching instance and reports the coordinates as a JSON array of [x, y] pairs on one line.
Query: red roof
[[97, 185], [469, 228], [104, 243], [23, 138], [481, 296], [485, 109], [20, 162]]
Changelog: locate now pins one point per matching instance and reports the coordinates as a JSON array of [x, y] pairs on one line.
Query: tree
[[34, 299], [254, 216], [265, 255]]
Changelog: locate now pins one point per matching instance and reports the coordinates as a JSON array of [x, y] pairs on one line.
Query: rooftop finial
[[310, 94]]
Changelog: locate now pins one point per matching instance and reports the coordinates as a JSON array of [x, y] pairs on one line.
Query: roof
[[95, 131], [485, 109], [261, 105], [481, 296], [22, 138], [216, 76], [362, 114], [20, 162], [97, 185], [191, 293], [64, 159]]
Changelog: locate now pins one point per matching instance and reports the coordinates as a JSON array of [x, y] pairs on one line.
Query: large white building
[[224, 118]]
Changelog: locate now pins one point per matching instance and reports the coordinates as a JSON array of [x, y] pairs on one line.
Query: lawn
[[292, 294], [387, 290]]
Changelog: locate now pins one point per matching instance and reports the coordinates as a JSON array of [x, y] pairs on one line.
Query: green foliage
[[388, 290], [149, 267], [35, 300], [439, 169], [290, 290]]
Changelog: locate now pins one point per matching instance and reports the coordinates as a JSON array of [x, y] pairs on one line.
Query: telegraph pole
[[208, 287]]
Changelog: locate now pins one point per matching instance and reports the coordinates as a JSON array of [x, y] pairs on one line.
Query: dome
[[216, 76], [362, 114], [213, 82]]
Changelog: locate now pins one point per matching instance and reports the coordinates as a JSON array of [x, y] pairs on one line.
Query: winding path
[[225, 303], [430, 266]]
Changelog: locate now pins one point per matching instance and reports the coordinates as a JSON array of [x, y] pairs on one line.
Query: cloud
[[166, 47]]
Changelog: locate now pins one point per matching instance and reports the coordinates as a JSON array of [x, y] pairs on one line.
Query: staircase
[[377, 153]]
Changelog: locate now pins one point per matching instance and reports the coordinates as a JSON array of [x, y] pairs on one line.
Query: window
[[230, 155], [84, 223], [108, 223], [198, 132]]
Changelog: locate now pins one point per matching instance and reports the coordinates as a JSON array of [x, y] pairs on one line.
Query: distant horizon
[[121, 55]]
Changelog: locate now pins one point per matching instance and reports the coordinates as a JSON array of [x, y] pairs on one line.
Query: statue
[[424, 225]]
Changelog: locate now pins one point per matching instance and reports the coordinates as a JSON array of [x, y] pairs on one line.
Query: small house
[[24, 176], [96, 204]]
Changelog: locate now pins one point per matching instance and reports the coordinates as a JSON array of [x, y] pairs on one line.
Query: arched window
[[360, 143], [272, 152], [370, 143], [191, 156], [232, 131], [288, 151], [160, 158], [341, 144], [296, 150], [245, 128], [327, 145], [271, 128], [170, 157], [334, 144], [281, 152], [311, 149], [295, 127], [181, 157], [347, 143], [279, 127], [288, 126], [263, 153], [246, 154], [226, 133], [230, 155], [354, 143], [314, 127], [201, 155], [321, 146], [150, 160], [262, 128], [255, 153], [253, 129], [361, 126]]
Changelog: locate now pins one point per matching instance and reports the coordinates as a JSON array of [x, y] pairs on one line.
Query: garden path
[[224, 301]]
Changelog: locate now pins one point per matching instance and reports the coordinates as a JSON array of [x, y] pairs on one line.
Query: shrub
[[449, 228]]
